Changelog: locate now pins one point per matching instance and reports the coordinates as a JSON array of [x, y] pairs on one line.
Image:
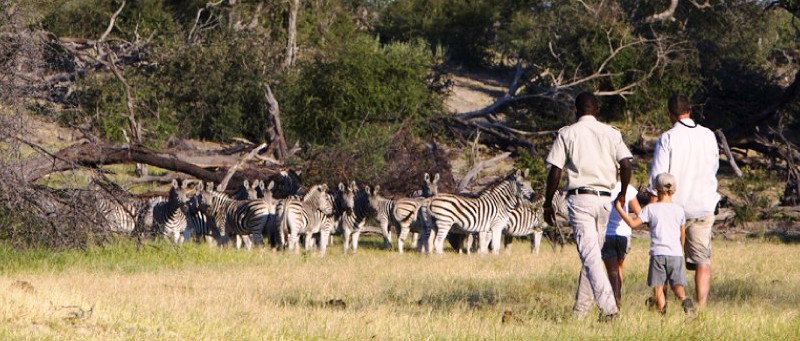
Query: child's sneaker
[[688, 306]]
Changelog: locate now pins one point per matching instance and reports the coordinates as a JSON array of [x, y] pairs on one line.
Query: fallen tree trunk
[[92, 155]]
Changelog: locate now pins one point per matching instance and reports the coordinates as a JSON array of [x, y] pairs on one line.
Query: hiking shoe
[[650, 303], [688, 306]]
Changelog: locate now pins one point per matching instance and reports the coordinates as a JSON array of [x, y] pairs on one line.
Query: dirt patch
[[23, 286]]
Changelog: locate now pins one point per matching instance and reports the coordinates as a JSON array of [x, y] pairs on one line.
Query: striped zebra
[[526, 220], [384, 213], [234, 217], [412, 214], [308, 216], [489, 212], [352, 221], [125, 215], [169, 217]]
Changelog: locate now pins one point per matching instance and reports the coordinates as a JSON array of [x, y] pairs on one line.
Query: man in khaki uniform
[[590, 152]]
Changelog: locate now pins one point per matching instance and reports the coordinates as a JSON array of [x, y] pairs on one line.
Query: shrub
[[334, 97]]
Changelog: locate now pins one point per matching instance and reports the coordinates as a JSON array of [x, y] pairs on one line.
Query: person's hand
[[549, 215]]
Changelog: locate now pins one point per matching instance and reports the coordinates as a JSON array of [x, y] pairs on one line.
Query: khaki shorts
[[698, 241]]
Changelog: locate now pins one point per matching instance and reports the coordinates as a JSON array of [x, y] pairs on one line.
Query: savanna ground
[[159, 292]]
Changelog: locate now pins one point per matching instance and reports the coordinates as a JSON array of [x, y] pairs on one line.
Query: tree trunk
[[291, 44]]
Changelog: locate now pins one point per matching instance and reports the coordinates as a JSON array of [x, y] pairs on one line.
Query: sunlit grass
[[195, 293]]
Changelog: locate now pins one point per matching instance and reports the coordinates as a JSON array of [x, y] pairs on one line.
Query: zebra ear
[[271, 185], [525, 173], [246, 184], [199, 187], [353, 186], [175, 184], [427, 177], [367, 190], [377, 188], [436, 178], [341, 187]]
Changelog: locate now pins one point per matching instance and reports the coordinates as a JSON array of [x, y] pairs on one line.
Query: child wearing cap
[[667, 223]]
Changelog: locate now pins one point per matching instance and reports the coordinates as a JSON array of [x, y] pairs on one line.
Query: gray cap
[[666, 182]]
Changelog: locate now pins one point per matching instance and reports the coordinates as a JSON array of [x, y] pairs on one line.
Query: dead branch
[[462, 186], [111, 23], [490, 130], [291, 41], [277, 128], [224, 183], [667, 14], [727, 149]]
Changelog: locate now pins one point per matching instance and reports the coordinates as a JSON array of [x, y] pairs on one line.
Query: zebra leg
[[507, 241], [442, 228], [483, 242], [387, 238], [346, 231], [355, 240], [309, 242], [497, 236], [401, 238], [536, 241], [248, 242], [324, 237]]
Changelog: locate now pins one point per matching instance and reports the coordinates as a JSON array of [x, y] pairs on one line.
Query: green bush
[[333, 97]]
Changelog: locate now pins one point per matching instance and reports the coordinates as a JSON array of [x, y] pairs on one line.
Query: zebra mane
[[498, 182], [314, 191]]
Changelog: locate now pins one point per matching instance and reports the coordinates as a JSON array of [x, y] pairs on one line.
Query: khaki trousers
[[588, 215]]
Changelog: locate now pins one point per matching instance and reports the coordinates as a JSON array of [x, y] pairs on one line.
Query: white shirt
[[692, 156], [617, 227], [589, 151], [665, 221]]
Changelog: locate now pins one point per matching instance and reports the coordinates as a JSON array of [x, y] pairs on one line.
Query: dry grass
[[197, 293]]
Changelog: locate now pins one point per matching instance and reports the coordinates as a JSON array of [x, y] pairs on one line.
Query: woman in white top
[[618, 239]]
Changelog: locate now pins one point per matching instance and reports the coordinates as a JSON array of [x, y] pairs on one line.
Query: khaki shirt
[[590, 152]]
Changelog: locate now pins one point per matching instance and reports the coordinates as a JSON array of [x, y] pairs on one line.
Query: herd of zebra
[[198, 211]]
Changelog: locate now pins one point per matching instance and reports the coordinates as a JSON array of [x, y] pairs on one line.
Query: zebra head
[[374, 198], [319, 198], [264, 193], [246, 191], [177, 193], [344, 198], [516, 180], [431, 187]]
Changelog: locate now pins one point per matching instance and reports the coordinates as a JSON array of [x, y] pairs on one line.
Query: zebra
[[412, 212], [169, 217], [309, 216], [234, 217], [526, 220], [384, 213], [354, 217], [489, 212], [122, 212]]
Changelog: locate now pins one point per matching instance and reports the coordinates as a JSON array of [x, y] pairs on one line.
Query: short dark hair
[[586, 103], [679, 104]]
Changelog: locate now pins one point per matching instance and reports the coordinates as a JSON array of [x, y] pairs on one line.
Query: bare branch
[[668, 14], [477, 168], [111, 23], [224, 183], [727, 149]]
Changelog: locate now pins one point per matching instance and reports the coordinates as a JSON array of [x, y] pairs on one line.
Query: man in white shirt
[[590, 152], [689, 151]]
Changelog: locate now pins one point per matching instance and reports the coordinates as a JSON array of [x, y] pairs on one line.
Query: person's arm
[[660, 164], [634, 206], [553, 178], [632, 222], [624, 178], [683, 235]]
